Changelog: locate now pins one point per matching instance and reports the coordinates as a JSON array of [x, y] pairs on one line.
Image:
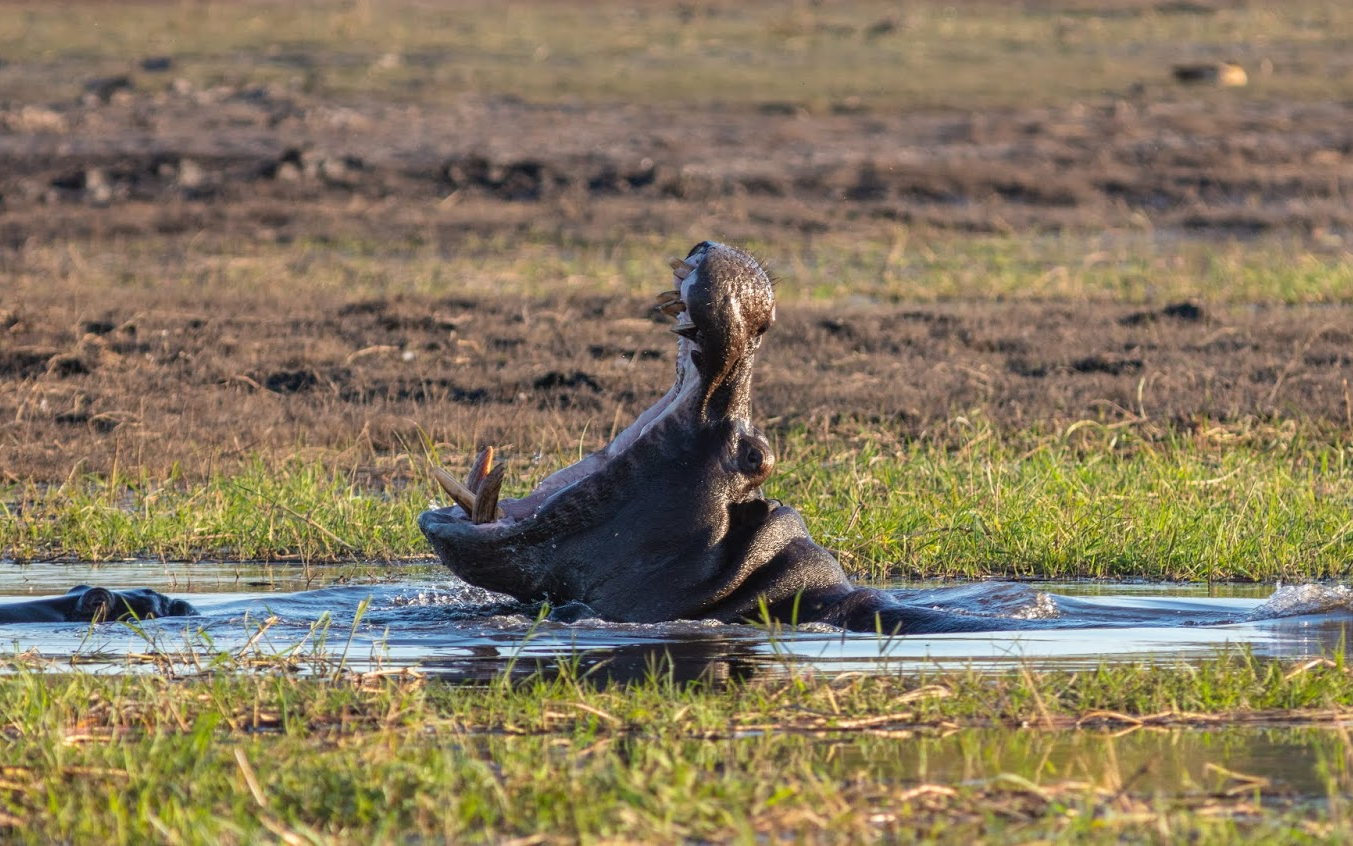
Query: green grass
[[1087, 502], [818, 56], [238, 756]]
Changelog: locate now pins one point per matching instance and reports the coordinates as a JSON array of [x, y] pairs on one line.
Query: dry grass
[[809, 55]]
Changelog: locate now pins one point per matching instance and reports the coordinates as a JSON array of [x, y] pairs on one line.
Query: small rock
[[190, 174], [98, 190], [1221, 74], [34, 120], [287, 172]]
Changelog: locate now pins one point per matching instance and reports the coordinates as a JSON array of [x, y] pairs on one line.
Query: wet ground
[[420, 617], [153, 367], [146, 381]]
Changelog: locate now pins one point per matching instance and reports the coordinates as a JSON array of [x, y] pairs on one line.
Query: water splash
[[1300, 600]]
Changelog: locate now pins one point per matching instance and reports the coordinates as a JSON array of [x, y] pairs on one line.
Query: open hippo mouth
[[724, 303], [645, 529], [668, 521]]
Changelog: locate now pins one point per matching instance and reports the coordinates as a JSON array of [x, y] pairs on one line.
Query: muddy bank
[[147, 385], [154, 156], [98, 378]]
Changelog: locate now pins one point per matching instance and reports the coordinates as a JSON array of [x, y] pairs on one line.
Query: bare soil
[[153, 386], [96, 379], [270, 162]]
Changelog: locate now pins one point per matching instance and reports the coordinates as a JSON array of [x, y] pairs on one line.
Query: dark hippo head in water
[[85, 604], [667, 521]]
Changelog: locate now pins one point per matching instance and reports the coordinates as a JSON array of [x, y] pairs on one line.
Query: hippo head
[[668, 520]]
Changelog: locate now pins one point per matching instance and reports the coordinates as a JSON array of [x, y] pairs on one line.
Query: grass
[[238, 756], [1086, 502], [815, 56], [891, 265]]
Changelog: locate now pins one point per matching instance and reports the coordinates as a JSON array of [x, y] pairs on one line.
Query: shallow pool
[[419, 616]]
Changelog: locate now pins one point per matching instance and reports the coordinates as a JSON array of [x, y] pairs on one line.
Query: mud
[[90, 380], [146, 385], [145, 155]]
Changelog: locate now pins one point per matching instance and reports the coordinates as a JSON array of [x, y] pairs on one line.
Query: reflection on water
[[1289, 761], [420, 616]]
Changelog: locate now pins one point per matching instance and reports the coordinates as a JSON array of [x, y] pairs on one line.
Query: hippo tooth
[[673, 308], [483, 463], [668, 296], [682, 270], [687, 330], [486, 503], [462, 495]]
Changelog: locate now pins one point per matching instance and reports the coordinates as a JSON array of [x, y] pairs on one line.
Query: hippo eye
[[755, 459]]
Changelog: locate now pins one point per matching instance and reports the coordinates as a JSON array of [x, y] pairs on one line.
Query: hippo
[[668, 521], [85, 604]]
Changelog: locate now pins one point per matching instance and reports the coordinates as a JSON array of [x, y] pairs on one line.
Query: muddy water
[[419, 616]]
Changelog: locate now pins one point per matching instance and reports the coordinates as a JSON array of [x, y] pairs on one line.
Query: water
[[1298, 763], [418, 616]]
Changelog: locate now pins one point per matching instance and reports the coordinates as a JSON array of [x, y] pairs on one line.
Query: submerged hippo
[[85, 604], [668, 521]]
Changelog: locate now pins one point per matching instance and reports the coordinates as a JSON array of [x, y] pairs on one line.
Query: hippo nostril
[[753, 460]]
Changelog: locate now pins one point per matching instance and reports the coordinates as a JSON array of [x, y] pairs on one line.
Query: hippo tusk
[[459, 494], [483, 463], [486, 501]]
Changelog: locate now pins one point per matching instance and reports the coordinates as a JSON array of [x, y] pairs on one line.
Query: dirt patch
[[148, 385], [259, 161], [125, 377]]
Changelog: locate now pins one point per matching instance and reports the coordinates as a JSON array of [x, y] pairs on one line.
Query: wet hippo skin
[[84, 604]]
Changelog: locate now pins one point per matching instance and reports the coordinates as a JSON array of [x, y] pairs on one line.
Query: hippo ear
[[95, 605]]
